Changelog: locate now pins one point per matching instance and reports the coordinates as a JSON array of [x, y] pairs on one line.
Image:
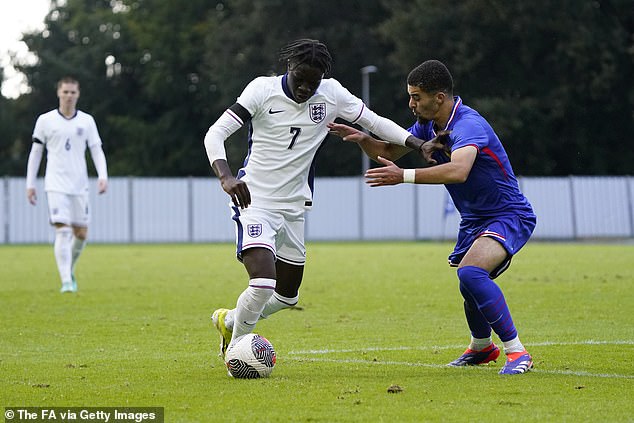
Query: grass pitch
[[372, 315]]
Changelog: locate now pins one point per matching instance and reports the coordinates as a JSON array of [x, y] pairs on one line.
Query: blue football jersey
[[491, 189]]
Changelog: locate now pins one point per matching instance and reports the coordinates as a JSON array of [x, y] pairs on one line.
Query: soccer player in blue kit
[[496, 219], [287, 117]]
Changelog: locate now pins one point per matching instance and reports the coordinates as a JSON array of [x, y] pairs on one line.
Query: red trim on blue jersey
[[488, 152]]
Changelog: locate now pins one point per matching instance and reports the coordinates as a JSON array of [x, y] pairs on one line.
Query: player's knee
[[63, 232], [472, 279], [80, 232]]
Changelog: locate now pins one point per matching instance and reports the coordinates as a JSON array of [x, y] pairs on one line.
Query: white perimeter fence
[[148, 210]]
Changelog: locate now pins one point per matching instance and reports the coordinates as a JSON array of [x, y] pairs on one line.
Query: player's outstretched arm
[[390, 174], [454, 172], [427, 148], [370, 145]]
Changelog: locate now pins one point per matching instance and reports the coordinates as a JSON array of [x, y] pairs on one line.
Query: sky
[[16, 17]]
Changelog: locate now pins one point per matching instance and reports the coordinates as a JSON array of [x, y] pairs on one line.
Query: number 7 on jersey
[[295, 131]]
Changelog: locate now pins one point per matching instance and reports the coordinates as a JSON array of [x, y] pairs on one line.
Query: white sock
[[78, 247], [276, 303], [478, 344], [250, 305], [63, 254], [513, 346]]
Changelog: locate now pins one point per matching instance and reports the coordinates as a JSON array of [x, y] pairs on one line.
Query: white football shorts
[[68, 209], [281, 231]]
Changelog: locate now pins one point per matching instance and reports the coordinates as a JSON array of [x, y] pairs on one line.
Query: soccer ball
[[252, 356]]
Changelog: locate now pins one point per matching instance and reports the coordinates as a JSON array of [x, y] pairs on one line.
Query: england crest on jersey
[[255, 230], [317, 112], [80, 131]]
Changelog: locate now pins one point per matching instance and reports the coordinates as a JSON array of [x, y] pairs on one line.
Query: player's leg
[[291, 257], [79, 242], [59, 216], [256, 230], [484, 257], [260, 265], [79, 218], [63, 256], [286, 295], [481, 349]]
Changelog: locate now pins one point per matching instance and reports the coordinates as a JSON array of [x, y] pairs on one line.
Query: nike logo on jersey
[[272, 112]]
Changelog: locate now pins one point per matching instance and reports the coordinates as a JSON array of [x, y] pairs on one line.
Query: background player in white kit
[[288, 117], [65, 133]]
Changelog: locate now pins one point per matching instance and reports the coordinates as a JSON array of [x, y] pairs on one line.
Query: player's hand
[[31, 196], [237, 190], [102, 186], [390, 174], [347, 133], [438, 143]]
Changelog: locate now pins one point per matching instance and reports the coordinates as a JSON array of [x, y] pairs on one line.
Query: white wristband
[[409, 176]]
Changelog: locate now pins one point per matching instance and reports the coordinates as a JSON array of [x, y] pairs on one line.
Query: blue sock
[[478, 324], [477, 287]]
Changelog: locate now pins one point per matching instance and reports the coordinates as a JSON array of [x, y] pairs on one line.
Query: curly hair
[[431, 76], [306, 51]]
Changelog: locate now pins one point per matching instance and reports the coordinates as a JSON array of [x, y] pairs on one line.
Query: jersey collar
[[287, 92], [59, 112], [457, 103]]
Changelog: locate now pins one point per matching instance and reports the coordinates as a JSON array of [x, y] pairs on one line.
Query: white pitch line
[[374, 349], [447, 347], [296, 355], [441, 366]]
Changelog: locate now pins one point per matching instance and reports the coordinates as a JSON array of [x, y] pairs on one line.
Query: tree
[[551, 76]]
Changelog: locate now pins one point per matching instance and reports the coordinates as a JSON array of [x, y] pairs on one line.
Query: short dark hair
[[431, 76], [306, 51], [67, 80]]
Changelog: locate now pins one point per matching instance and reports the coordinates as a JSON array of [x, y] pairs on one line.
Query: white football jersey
[[284, 138], [66, 141]]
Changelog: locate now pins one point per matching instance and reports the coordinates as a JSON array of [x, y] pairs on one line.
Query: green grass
[[372, 315]]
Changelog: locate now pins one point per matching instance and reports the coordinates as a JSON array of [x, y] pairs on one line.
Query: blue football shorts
[[511, 232]]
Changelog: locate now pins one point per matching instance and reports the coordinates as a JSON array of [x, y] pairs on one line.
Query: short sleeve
[[253, 95], [469, 132], [39, 131]]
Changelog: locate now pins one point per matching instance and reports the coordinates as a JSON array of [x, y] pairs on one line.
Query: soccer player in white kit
[[287, 117], [65, 133]]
